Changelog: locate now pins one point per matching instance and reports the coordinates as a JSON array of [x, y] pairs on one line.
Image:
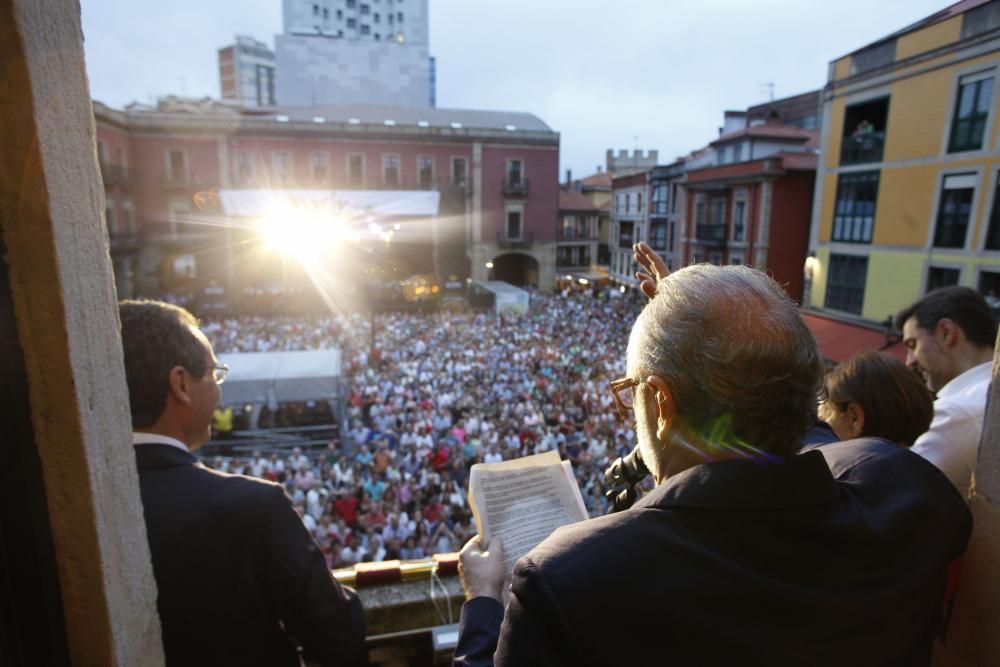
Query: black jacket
[[237, 573], [743, 562]]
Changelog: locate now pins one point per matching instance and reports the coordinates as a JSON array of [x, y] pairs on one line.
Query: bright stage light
[[302, 233]]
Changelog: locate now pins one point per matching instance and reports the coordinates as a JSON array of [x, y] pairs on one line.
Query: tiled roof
[[600, 179], [769, 131], [571, 200]]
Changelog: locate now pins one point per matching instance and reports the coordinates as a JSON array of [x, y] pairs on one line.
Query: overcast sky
[[624, 74]]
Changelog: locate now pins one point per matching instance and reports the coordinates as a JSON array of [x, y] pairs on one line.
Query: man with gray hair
[[746, 551]]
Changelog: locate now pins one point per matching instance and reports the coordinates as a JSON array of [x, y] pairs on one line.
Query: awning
[[266, 377], [381, 203], [841, 340]]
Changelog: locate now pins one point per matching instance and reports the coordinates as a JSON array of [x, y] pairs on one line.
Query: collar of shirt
[[967, 380], [157, 439]]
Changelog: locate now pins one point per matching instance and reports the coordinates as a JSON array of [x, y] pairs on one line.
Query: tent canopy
[[270, 377]]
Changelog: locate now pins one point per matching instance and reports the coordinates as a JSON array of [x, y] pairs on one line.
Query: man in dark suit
[[746, 552], [240, 579]]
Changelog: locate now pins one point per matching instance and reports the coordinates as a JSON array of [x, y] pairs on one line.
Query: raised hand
[[655, 268]]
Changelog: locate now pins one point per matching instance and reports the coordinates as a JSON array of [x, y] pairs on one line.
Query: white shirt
[[952, 441], [157, 439]]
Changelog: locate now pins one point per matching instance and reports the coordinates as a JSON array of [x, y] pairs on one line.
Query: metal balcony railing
[[861, 148], [523, 241], [710, 233], [516, 186]]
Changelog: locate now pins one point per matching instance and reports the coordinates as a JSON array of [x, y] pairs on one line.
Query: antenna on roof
[[768, 86]]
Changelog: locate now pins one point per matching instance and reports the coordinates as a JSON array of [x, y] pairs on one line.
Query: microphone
[[621, 479]]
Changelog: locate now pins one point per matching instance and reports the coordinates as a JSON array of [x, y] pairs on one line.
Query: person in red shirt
[[441, 458], [347, 507]]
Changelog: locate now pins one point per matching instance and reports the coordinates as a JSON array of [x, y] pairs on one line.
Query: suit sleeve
[[323, 616], [535, 630], [478, 631]]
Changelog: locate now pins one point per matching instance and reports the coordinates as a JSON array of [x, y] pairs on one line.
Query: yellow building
[[907, 195]]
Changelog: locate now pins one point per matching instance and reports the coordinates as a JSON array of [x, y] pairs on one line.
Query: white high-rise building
[[246, 72], [354, 52]]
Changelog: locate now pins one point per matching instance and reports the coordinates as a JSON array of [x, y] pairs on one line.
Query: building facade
[[629, 224], [577, 236], [907, 189], [355, 52], [752, 204], [667, 201], [246, 73], [473, 194]]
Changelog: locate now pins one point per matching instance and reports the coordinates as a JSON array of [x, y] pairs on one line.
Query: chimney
[[569, 177]]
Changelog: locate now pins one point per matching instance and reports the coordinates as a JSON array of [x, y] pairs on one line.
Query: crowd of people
[[437, 393]]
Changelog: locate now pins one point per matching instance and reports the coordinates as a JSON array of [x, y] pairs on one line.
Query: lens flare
[[302, 233]]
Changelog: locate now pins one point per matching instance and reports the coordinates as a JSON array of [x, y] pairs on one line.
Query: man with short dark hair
[[746, 552], [949, 336], [240, 580]]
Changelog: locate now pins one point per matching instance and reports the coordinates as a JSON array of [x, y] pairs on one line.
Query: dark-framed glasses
[[624, 392], [219, 373]]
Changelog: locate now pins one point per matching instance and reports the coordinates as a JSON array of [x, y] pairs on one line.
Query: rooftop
[[571, 200], [769, 130]]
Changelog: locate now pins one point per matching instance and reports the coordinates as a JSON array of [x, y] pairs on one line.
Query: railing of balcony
[[571, 234], [710, 233], [659, 208], [116, 174], [860, 148], [522, 241], [516, 186]]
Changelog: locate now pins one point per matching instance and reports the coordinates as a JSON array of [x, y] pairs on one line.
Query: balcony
[[114, 174], [181, 182], [576, 235], [710, 233], [523, 241], [516, 186], [861, 148]]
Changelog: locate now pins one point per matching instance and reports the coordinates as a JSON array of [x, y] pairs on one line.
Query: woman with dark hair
[[873, 394]]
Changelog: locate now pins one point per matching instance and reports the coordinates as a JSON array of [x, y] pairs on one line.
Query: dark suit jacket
[[238, 574], [743, 563]]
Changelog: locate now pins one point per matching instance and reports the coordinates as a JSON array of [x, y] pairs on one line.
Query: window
[[975, 93], [365, 30], [660, 199], [365, 9], [845, 288], [736, 260], [340, 14], [352, 23], [699, 213], [425, 172], [459, 173], [625, 238], [954, 210], [176, 165], [738, 153], [390, 170], [515, 171], [981, 19], [638, 202], [628, 202], [989, 287], [854, 212], [993, 233], [513, 225], [864, 132], [128, 219], [938, 277], [718, 211], [874, 57], [320, 163], [281, 168], [658, 235], [355, 169], [377, 18], [673, 230], [399, 17], [244, 168], [351, 4], [739, 215], [673, 199]]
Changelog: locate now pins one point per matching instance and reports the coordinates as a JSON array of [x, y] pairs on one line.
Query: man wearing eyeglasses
[[746, 552], [240, 580]]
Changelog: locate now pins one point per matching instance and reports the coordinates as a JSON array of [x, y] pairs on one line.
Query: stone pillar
[[62, 289], [972, 638]]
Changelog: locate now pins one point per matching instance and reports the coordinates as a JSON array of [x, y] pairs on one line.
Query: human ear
[[666, 408], [856, 415], [179, 383], [947, 332]]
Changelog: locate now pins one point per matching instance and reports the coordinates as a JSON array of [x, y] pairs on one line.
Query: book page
[[523, 501]]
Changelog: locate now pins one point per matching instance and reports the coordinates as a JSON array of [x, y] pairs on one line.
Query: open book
[[523, 501]]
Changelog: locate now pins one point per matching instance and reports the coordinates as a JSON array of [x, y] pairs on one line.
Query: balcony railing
[[516, 186], [576, 235], [522, 241], [115, 174], [625, 240], [710, 233], [865, 147]]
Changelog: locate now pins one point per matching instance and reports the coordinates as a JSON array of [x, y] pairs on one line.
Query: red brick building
[[752, 203], [182, 179]]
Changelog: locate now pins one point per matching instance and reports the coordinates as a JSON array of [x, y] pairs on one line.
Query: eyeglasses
[[220, 372], [624, 392]]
